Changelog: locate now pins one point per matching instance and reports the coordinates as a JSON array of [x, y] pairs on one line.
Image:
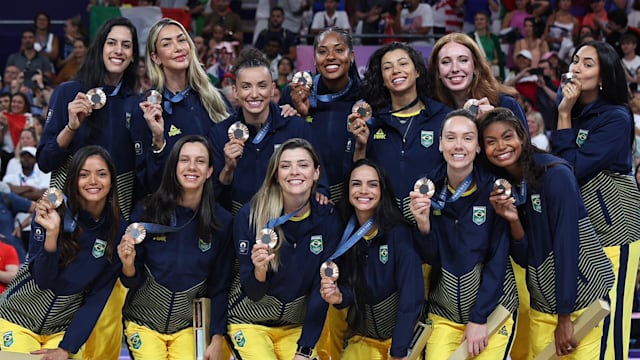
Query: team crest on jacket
[[383, 253], [316, 246], [238, 337], [536, 203], [479, 215], [135, 341], [99, 246], [582, 136], [203, 245], [7, 339], [426, 138]]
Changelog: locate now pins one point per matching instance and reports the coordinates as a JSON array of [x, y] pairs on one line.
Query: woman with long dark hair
[[595, 135], [380, 274], [52, 305], [188, 257]]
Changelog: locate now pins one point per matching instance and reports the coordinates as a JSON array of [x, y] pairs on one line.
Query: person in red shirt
[[9, 264]]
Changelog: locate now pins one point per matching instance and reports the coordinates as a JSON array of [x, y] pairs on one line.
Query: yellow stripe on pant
[[521, 349], [259, 342], [542, 333], [361, 347], [15, 338], [105, 340], [146, 344], [625, 267], [447, 336]]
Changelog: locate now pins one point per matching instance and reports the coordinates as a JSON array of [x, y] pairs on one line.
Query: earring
[[600, 86]]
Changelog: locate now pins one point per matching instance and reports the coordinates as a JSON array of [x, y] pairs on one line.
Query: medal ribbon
[[173, 99], [117, 89], [314, 97], [439, 204], [159, 228], [271, 224], [348, 241], [262, 133]]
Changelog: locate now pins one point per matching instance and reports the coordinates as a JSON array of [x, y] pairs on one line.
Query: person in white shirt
[[415, 18], [539, 138], [631, 61], [330, 17]]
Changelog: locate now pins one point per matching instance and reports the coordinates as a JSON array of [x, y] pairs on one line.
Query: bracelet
[[159, 150], [70, 129]]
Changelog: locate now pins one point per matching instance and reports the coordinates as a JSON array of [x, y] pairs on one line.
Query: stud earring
[[600, 87]]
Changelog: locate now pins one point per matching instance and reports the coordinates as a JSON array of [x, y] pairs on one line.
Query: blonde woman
[[190, 104], [275, 309]]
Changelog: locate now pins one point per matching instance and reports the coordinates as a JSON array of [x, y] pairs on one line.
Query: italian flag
[[143, 17]]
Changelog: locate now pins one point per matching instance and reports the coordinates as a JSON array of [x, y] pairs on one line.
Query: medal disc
[[269, 237], [302, 77], [153, 96], [329, 270], [53, 196], [363, 109], [137, 232], [504, 185], [97, 98], [239, 131], [425, 187]]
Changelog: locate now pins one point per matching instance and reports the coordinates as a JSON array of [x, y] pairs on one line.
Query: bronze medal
[[153, 96], [472, 106], [269, 237], [136, 231], [363, 109], [329, 270], [504, 185], [239, 131], [304, 78], [53, 196], [567, 78], [425, 187], [97, 98]]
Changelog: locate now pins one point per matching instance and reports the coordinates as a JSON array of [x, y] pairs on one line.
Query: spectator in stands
[[515, 19], [46, 43], [10, 205], [597, 19], [73, 63], [220, 72], [28, 138], [447, 17], [330, 17], [634, 18], [263, 12], [521, 78], [489, 45], [217, 37], [537, 131], [12, 79], [202, 49], [272, 53], [143, 83], [29, 60], [617, 27], [5, 102], [546, 93], [532, 42], [223, 15], [470, 9], [630, 60], [288, 38], [28, 182], [293, 11], [415, 18], [285, 72], [13, 121], [369, 13], [561, 27], [9, 264], [73, 30]]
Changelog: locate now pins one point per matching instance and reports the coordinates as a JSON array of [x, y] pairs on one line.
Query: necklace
[[406, 131]]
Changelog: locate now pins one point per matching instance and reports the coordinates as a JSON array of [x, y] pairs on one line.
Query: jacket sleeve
[[408, 274], [136, 280], [86, 317], [220, 277], [50, 155], [493, 271], [605, 142], [43, 264]]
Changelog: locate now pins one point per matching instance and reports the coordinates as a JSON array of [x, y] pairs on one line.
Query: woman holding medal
[[551, 236], [183, 101], [380, 271], [595, 134], [51, 306], [188, 256], [327, 100], [401, 136], [459, 72], [243, 143], [93, 110], [281, 238], [467, 244]]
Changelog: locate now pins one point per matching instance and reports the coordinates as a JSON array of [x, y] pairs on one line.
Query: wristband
[[304, 351], [70, 129], [158, 150]]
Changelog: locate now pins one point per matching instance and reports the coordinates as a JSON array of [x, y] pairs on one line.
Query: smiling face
[[333, 57], [18, 105], [172, 49], [27, 139], [364, 191], [399, 73], [117, 52], [456, 67], [253, 90], [297, 173], [459, 143], [502, 145], [193, 167], [94, 182]]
